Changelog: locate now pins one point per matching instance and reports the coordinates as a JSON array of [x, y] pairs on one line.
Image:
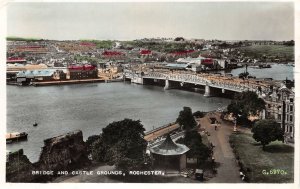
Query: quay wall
[[67, 82]]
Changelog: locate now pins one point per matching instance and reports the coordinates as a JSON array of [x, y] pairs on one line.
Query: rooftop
[[169, 148]]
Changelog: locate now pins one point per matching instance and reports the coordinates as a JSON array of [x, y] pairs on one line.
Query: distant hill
[[268, 50], [12, 38]]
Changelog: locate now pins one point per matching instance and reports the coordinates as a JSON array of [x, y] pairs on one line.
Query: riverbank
[[66, 82]]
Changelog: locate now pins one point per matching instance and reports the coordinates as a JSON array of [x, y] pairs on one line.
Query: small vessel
[[15, 136], [35, 124], [264, 66]]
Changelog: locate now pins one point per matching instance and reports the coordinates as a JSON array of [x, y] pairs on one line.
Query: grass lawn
[[269, 50], [276, 156]]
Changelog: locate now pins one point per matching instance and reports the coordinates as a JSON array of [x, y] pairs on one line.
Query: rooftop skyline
[[128, 21]]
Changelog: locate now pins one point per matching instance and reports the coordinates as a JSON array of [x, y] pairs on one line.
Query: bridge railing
[[198, 79], [189, 78]]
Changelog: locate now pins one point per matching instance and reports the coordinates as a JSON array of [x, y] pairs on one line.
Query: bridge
[[208, 81]]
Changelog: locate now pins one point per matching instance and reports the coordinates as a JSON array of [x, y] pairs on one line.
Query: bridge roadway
[[208, 80]]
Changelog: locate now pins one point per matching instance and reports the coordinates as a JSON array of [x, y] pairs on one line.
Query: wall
[[61, 153], [18, 168]]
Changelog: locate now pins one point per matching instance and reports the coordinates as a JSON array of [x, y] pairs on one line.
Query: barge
[[15, 136]]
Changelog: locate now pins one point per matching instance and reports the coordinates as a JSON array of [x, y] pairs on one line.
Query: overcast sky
[[123, 21]]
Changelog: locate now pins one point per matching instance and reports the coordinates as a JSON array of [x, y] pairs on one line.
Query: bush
[[91, 139], [199, 114], [266, 131]]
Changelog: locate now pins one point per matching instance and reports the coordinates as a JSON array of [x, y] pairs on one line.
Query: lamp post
[[234, 126]]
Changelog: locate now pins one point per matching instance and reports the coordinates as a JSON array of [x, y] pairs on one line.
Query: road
[[227, 169]]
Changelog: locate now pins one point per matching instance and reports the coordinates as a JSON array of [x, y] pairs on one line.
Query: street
[[227, 168]]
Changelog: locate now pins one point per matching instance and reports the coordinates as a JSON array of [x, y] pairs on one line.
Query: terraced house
[[281, 107]]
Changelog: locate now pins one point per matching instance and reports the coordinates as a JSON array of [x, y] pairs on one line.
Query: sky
[[128, 21]]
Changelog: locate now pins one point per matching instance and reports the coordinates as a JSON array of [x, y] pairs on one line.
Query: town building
[[25, 77], [202, 63], [13, 60], [281, 107], [82, 72]]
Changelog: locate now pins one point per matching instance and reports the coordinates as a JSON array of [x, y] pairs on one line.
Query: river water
[[91, 107], [277, 72]]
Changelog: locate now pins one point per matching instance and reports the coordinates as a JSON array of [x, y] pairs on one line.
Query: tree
[[199, 114], [179, 39], [289, 43], [266, 131], [193, 140], [246, 104], [91, 139], [186, 119], [99, 150], [93, 62], [121, 144]]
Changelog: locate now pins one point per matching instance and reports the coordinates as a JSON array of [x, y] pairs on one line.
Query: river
[[91, 107], [277, 72]]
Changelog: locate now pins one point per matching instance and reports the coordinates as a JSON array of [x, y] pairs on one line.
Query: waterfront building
[[177, 66], [169, 155], [204, 63], [25, 77], [13, 60], [82, 72]]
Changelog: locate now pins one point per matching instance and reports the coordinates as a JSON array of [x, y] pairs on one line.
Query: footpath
[[227, 168]]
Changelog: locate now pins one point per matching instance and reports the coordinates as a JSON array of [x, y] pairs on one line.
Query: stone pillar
[[167, 84], [207, 91]]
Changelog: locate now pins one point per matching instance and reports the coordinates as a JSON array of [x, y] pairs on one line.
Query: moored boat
[[15, 136], [265, 66]]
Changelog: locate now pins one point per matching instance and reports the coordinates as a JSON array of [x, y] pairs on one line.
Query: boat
[[264, 66], [35, 124], [15, 136]]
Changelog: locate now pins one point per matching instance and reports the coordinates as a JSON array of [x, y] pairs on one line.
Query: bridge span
[[208, 81]]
